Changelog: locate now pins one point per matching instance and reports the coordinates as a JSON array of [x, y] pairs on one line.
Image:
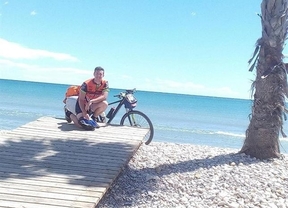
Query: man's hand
[[87, 107], [86, 115]]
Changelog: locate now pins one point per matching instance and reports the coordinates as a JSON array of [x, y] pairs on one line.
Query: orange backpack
[[72, 91]]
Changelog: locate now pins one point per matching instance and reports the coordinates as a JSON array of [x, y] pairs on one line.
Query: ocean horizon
[[177, 118]]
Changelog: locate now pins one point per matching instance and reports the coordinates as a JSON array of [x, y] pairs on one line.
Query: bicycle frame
[[119, 106]]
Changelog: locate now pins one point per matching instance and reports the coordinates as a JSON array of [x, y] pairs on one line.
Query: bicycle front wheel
[[139, 120]]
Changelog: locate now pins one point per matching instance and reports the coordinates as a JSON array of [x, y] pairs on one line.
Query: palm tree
[[270, 86]]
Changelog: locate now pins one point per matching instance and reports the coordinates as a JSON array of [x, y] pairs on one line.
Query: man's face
[[98, 75]]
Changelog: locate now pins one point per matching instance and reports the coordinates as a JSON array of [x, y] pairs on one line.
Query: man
[[92, 97]]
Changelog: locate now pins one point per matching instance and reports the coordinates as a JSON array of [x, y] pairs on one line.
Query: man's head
[[99, 68], [98, 74]]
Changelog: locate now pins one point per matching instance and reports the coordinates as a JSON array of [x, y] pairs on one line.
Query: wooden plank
[[51, 164], [68, 144], [61, 162], [12, 204], [14, 181], [127, 134], [39, 192], [111, 129], [79, 181], [65, 158], [57, 172], [132, 135], [49, 189], [47, 201]]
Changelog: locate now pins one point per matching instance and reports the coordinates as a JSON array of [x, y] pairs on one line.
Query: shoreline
[[166, 174]]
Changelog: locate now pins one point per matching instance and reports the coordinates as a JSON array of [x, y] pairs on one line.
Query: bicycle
[[132, 117]]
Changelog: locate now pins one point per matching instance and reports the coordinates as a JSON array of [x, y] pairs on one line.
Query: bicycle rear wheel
[[139, 120]]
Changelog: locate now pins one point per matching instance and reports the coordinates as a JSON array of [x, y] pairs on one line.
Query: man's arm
[[99, 99]]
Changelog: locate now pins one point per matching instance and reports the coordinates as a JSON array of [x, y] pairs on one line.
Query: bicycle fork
[[131, 118]]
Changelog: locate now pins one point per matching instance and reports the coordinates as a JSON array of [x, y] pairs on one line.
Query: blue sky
[[180, 46]]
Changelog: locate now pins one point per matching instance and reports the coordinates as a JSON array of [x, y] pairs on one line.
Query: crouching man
[[92, 100]]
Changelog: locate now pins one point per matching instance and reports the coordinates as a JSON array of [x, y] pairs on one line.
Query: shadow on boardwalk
[[82, 162]]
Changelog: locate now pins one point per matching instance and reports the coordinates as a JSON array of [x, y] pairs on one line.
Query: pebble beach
[[185, 175]]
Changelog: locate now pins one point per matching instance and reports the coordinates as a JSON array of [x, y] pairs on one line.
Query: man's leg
[[99, 108], [75, 120], [71, 117], [78, 110]]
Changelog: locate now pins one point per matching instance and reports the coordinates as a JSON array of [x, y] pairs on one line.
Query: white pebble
[[185, 175]]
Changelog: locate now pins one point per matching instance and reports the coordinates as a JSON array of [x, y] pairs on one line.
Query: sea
[[177, 118]]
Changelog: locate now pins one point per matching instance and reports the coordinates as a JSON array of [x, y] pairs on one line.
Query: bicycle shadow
[[64, 126]]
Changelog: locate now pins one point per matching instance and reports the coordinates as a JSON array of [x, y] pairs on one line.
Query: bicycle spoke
[[139, 120]]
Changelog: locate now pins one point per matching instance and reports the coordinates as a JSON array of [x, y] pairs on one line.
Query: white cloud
[[22, 71], [12, 50], [170, 86], [11, 69], [191, 88], [33, 13], [126, 77]]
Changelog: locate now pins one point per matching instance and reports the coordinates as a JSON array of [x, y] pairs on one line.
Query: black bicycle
[[132, 117]]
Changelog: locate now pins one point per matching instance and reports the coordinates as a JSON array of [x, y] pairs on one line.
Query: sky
[[179, 46]]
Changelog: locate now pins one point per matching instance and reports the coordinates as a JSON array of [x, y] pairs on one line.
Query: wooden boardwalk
[[51, 164]]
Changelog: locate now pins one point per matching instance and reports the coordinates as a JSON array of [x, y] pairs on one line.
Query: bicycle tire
[[142, 121]]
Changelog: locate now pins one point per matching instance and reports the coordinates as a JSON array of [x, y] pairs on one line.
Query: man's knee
[[105, 103], [102, 105]]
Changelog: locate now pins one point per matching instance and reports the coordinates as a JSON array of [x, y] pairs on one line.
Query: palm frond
[[255, 55], [253, 65]]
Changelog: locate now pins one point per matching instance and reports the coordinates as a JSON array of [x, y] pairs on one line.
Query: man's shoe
[[102, 119], [99, 119]]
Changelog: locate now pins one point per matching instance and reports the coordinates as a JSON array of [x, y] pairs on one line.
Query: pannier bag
[[72, 91], [130, 101]]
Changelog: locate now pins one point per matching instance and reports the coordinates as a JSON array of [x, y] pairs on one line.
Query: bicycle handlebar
[[131, 91], [123, 94]]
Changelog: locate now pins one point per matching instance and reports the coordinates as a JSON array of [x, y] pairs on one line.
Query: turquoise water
[[176, 118]]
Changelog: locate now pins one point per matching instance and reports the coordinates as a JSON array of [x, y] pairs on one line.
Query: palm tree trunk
[[262, 135]]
